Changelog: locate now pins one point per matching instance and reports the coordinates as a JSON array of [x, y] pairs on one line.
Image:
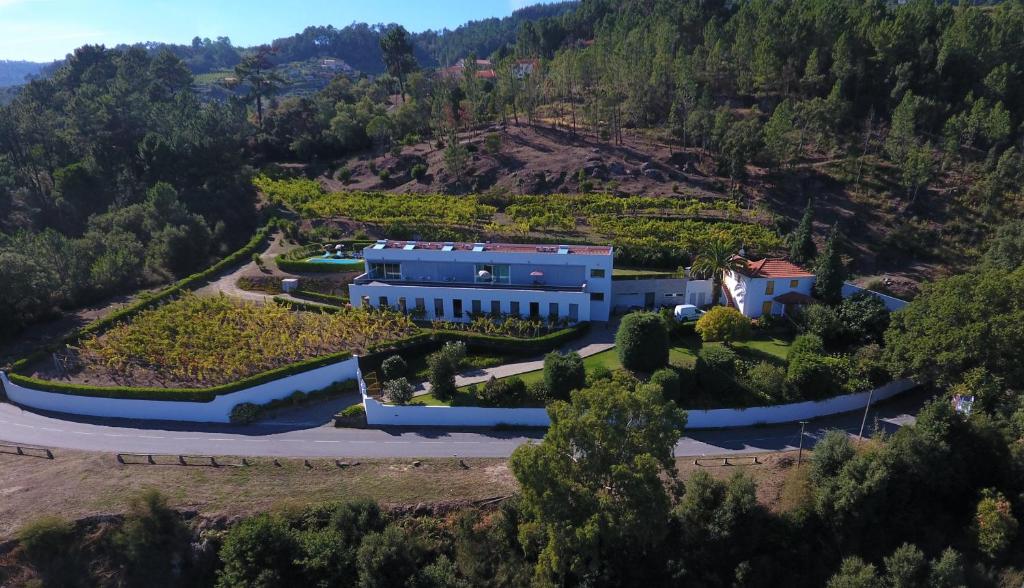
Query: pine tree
[[829, 272], [779, 142], [802, 250]]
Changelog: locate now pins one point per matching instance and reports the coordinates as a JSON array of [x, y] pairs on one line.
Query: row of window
[[770, 287], [484, 273], [476, 307]]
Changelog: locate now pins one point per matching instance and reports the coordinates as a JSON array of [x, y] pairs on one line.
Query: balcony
[[428, 281]]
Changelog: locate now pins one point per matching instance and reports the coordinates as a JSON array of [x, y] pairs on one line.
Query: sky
[[44, 30]]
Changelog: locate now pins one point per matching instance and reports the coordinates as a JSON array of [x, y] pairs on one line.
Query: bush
[[667, 380], [245, 413], [864, 317], [384, 175], [492, 143], [356, 410], [830, 455], [505, 392], [49, 544], [723, 323], [345, 175], [393, 367], [598, 374], [563, 372], [642, 342], [823, 321], [809, 374], [153, 541], [399, 390], [442, 367], [767, 380], [537, 393], [419, 171], [257, 259], [260, 551], [716, 369], [389, 558]]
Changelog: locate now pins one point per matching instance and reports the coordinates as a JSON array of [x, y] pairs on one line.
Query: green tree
[[916, 169], [802, 248], [959, 323], [831, 453], [397, 52], [393, 367], [829, 273], [855, 573], [903, 128], [642, 341], [779, 131], [906, 568], [1006, 247], [259, 551], [153, 540], [398, 390], [563, 373], [442, 367], [723, 323], [594, 489], [716, 259], [257, 71], [994, 524], [389, 558]]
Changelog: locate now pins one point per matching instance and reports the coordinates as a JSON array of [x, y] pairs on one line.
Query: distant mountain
[[13, 73]]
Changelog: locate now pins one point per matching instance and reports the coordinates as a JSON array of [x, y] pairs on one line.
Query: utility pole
[[800, 453], [865, 419]]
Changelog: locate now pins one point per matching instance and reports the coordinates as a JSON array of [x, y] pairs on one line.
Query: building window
[[457, 308], [794, 283], [534, 309], [770, 288], [596, 296], [574, 312], [553, 310], [382, 302], [495, 307], [421, 305], [401, 304], [439, 308], [475, 305], [513, 308], [766, 308], [386, 271], [488, 273], [597, 272]]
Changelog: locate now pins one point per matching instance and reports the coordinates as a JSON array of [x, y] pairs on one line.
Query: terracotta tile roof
[[775, 268]]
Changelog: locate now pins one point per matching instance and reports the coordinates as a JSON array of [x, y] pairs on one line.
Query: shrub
[[393, 367], [809, 374], [767, 379], [399, 390], [396, 150], [642, 341], [260, 551], [995, 525], [345, 175], [442, 367], [49, 544], [830, 455], [864, 317], [152, 540], [356, 410], [537, 393], [823, 321], [598, 374], [257, 259], [716, 369], [723, 323], [245, 413], [492, 143], [384, 175], [388, 558], [419, 171], [563, 372], [504, 392], [667, 380]]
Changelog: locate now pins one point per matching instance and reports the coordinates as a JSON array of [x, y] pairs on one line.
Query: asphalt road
[[306, 433]]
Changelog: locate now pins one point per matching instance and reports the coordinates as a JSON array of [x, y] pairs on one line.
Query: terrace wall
[[379, 414], [217, 410], [892, 303]]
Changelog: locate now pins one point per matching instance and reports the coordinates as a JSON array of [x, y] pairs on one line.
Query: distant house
[[525, 67], [485, 70], [768, 286]]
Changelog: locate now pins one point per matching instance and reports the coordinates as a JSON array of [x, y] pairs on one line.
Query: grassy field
[[683, 354], [79, 484]]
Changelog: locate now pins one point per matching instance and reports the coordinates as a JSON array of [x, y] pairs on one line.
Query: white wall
[[630, 293], [216, 411], [749, 293], [891, 303], [463, 416], [698, 292]]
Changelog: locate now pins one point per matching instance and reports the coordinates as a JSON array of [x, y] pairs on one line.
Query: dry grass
[[79, 484]]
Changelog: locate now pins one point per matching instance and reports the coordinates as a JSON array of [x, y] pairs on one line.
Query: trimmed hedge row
[[177, 394], [321, 297]]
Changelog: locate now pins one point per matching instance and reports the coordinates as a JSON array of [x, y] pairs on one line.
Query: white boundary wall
[[380, 414], [217, 410], [891, 303]]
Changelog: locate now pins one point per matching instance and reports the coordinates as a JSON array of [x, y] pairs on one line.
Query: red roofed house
[[768, 286]]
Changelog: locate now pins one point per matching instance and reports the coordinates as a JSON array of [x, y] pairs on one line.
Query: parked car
[[687, 312]]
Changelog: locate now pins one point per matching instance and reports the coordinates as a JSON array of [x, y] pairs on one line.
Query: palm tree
[[717, 258]]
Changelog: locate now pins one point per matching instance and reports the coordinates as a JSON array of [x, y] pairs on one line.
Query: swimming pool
[[336, 260]]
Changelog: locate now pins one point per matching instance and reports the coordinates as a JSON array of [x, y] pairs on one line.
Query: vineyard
[[681, 223], [204, 341]]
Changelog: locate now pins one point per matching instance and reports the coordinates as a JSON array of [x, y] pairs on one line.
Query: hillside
[[13, 73]]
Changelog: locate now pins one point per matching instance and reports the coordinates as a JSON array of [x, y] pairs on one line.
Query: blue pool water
[[339, 261]]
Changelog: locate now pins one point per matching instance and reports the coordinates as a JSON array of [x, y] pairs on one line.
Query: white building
[[768, 286], [451, 281]]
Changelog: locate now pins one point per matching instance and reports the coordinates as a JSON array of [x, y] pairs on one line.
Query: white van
[[687, 312]]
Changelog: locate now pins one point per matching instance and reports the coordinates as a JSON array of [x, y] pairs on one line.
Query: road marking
[[81, 433], [220, 439], [113, 435], [23, 425], [396, 442], [51, 429], [151, 437], [322, 441]]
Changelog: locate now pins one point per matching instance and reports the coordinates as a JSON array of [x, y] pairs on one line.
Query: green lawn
[[683, 354]]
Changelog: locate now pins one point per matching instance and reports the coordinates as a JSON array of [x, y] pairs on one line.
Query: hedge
[[321, 297], [175, 394]]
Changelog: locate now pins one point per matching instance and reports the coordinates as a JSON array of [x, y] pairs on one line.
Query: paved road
[[304, 433]]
